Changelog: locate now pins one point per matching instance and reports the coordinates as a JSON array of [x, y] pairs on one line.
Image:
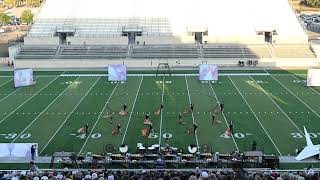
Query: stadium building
[[141, 33]]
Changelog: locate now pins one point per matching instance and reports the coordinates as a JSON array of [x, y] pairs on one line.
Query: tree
[[312, 3], [10, 3], [26, 17], [4, 18], [33, 3]]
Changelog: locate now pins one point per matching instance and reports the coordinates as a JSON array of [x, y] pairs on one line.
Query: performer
[[180, 117], [161, 107], [151, 129], [231, 127], [111, 119], [195, 127], [86, 128], [147, 116], [213, 119], [124, 110], [191, 107], [119, 128], [125, 107], [221, 107]]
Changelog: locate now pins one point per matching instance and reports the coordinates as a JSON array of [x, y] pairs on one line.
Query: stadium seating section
[[218, 51]]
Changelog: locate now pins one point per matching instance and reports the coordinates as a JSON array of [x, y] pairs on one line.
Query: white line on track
[[17, 89], [296, 95], [160, 134], [69, 115], [6, 83], [255, 116], [43, 111], [277, 105], [28, 99], [224, 117], [196, 133], [94, 126], [134, 103]]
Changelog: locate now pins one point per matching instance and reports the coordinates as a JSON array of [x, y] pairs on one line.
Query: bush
[[4, 18], [26, 17]]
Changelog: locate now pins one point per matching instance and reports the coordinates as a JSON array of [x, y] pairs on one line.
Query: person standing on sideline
[[33, 152]]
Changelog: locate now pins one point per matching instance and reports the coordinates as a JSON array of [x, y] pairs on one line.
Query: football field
[[270, 108]]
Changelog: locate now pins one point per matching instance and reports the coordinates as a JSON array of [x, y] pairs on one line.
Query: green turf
[[270, 110]]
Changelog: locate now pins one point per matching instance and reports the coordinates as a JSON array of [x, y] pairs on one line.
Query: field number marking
[[236, 135], [299, 135], [258, 82], [83, 136], [156, 135], [299, 81], [14, 135]]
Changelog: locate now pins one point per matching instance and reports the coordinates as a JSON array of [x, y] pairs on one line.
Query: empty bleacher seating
[[227, 51], [165, 51], [37, 52]]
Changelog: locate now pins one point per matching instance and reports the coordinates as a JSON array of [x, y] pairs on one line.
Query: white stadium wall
[[230, 21]]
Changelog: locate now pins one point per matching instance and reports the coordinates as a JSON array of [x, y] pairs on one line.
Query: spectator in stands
[[33, 167]]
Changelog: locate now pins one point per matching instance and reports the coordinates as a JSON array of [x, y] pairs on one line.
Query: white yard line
[[296, 95], [224, 117], [43, 111], [6, 83], [255, 116], [160, 132], [196, 133], [17, 89], [134, 103], [29, 99], [69, 116], [100, 114], [277, 106]]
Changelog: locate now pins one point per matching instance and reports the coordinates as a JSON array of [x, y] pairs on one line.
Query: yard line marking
[[6, 83], [69, 116], [224, 117], [13, 92], [196, 133], [255, 116], [94, 126], [42, 111], [296, 95], [309, 87], [134, 103], [160, 134], [277, 105], [29, 99]]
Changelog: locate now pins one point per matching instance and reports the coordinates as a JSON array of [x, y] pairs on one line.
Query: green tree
[[312, 3], [33, 3], [4, 18], [10, 3], [26, 17]]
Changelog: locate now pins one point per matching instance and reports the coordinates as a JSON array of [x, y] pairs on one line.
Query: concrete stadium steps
[[38, 52], [228, 51], [165, 51], [96, 52], [262, 51], [293, 51]]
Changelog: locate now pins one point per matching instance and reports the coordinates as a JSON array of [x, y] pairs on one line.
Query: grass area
[[270, 109]]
